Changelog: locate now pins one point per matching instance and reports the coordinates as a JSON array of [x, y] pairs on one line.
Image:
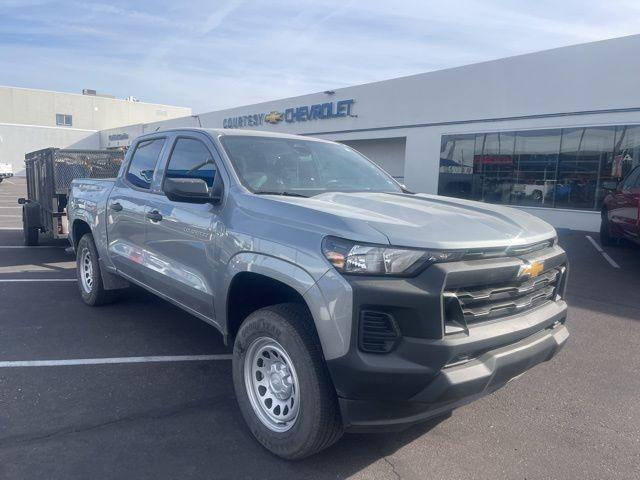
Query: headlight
[[349, 257]]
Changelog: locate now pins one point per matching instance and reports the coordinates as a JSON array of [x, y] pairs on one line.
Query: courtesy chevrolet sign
[[302, 113]]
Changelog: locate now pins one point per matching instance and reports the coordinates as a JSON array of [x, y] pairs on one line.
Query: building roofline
[[92, 96]]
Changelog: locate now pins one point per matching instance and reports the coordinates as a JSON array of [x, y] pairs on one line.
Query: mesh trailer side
[[72, 164]]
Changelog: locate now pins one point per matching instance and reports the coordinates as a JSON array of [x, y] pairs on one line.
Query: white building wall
[[26, 106], [17, 140]]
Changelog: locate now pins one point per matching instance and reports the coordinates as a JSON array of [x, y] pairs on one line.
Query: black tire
[[606, 238], [30, 234], [318, 423], [91, 291]]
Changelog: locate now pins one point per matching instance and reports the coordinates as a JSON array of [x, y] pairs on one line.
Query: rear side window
[[143, 163], [632, 180], [191, 159]]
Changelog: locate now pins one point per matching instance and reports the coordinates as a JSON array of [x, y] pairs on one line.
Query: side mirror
[[610, 186], [190, 190]]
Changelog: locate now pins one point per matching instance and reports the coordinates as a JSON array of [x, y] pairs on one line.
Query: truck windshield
[[303, 168]]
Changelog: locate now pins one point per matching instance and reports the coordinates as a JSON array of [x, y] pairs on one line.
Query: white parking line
[[115, 360], [27, 280], [11, 216], [34, 246], [606, 256]]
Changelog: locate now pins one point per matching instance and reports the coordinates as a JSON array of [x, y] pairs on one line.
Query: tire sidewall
[[86, 244], [264, 323]]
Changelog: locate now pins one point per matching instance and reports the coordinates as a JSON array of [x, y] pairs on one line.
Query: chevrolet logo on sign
[[273, 117], [531, 269]]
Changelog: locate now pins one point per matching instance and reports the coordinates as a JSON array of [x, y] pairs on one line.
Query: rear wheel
[[282, 384], [88, 272], [606, 238]]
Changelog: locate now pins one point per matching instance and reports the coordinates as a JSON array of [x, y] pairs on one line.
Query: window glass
[[303, 167], [536, 157], [626, 153], [64, 120], [584, 157], [191, 158], [143, 163], [562, 168], [632, 180], [456, 165], [495, 164]]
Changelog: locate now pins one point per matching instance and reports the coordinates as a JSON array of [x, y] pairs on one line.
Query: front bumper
[[429, 373], [455, 386], [6, 175]]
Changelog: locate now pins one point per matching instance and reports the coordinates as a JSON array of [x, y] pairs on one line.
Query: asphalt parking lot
[[168, 417]]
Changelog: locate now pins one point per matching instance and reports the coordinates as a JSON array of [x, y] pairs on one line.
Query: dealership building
[[32, 119], [542, 132]]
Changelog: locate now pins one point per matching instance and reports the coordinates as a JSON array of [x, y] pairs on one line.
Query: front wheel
[[282, 384]]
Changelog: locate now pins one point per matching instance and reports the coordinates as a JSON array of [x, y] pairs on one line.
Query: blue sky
[[219, 54]]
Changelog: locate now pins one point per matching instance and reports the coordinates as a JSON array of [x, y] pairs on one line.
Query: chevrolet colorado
[[352, 303]]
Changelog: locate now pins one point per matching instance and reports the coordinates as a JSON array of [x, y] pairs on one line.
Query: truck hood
[[431, 221]]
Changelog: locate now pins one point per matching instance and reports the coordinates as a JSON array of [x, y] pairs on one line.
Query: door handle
[[154, 216], [115, 206]]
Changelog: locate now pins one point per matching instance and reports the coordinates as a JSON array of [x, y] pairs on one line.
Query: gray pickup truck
[[352, 303]]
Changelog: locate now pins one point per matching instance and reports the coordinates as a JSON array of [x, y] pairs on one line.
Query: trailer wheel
[[90, 284], [30, 233]]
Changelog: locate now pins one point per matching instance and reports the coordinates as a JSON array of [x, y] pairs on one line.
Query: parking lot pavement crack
[[393, 468], [26, 439]]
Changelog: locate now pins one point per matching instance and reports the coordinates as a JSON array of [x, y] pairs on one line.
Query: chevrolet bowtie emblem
[[531, 269], [273, 117]]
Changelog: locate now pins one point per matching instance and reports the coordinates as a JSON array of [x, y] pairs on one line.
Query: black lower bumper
[[456, 385], [421, 378]]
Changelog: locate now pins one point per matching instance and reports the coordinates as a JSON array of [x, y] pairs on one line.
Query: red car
[[621, 211]]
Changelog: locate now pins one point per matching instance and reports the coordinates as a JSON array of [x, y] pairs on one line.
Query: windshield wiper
[[285, 194]]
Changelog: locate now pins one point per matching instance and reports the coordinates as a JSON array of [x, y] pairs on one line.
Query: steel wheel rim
[[272, 386], [86, 270]]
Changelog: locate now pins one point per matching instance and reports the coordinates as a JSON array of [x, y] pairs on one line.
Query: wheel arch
[[256, 280]]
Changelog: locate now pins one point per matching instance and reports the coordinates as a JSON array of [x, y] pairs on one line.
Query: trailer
[[49, 175]]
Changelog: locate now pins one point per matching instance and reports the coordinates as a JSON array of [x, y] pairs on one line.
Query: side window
[[632, 180], [143, 163], [191, 158]]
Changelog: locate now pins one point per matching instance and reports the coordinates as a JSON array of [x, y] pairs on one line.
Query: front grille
[[378, 332], [467, 305], [513, 251]]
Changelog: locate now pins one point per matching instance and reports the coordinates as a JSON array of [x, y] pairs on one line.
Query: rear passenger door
[[127, 208], [181, 241]]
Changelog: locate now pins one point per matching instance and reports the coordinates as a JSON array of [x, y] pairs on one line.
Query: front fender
[[331, 316]]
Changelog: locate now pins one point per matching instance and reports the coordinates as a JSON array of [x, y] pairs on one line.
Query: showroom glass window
[[585, 162], [494, 167], [456, 165], [535, 162], [551, 168], [626, 153], [191, 158]]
